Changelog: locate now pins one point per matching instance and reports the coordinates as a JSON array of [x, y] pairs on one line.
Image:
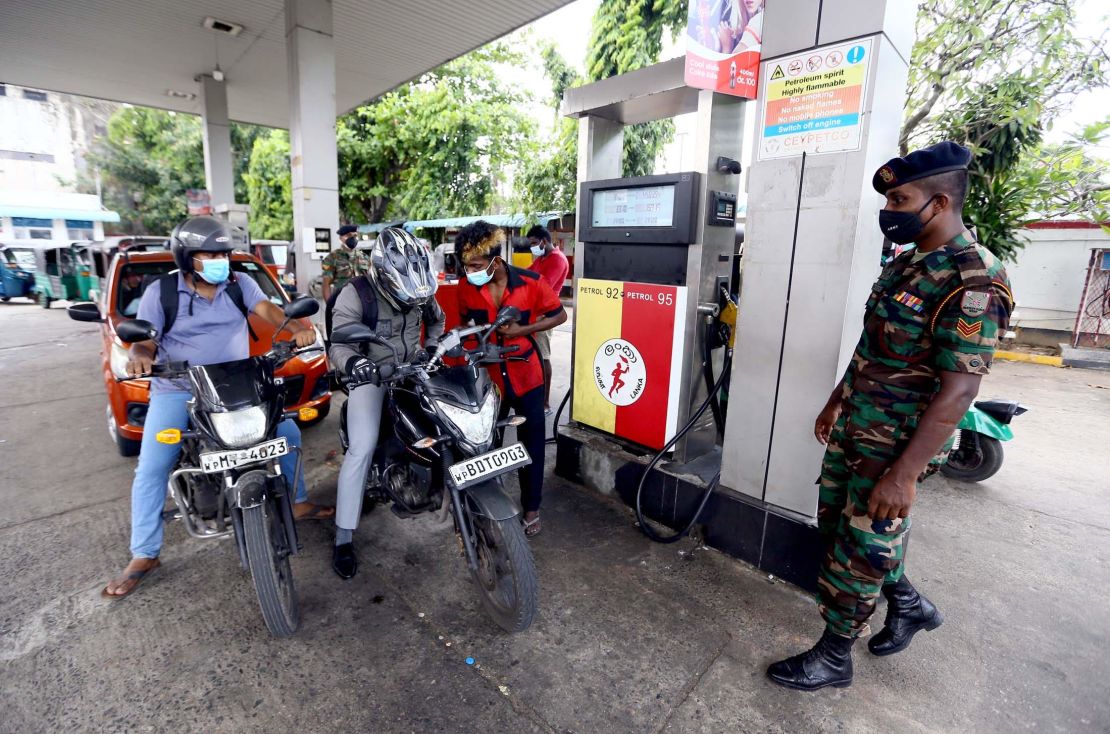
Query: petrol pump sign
[[628, 345]]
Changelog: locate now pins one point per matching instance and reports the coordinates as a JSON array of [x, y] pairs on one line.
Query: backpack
[[366, 293], [168, 295]]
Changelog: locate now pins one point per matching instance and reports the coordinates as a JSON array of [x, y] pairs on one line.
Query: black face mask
[[903, 228], [350, 242]]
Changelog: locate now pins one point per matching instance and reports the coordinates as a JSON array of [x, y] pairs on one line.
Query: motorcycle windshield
[[230, 385], [464, 386]]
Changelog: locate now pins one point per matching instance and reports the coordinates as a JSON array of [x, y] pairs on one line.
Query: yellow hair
[[482, 247]]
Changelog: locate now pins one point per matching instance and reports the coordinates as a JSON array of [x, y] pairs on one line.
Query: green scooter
[[976, 452]]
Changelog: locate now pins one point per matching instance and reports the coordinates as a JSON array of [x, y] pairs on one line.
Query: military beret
[[347, 229], [939, 158]]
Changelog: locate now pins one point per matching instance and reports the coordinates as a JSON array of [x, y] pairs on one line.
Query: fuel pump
[[654, 314]]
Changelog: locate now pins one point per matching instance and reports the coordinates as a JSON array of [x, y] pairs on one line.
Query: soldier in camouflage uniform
[[930, 329], [344, 265]]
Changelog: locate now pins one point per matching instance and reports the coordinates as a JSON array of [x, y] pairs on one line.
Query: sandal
[[136, 576], [314, 512], [532, 527]]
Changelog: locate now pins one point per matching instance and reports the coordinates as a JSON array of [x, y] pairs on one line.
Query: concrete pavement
[[630, 637]]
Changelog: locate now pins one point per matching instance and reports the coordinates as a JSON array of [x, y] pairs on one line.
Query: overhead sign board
[[813, 101], [723, 41]]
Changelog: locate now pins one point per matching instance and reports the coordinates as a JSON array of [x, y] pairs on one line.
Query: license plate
[[216, 461], [481, 468]]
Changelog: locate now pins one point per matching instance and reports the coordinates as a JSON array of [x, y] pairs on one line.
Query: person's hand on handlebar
[[512, 330], [140, 363], [361, 370], [305, 338]]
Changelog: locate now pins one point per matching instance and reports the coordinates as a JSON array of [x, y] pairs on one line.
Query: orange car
[[306, 380]]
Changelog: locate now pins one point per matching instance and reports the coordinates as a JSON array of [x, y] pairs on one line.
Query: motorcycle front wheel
[[506, 573], [268, 556], [979, 457]]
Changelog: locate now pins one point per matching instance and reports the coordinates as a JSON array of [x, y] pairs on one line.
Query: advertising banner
[[813, 101], [628, 359], [723, 39]]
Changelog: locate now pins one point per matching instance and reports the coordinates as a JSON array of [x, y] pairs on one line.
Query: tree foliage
[[147, 160], [627, 35], [439, 146], [994, 74], [269, 184]]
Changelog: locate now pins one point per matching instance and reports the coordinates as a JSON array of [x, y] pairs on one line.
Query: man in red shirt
[[490, 285], [552, 266]]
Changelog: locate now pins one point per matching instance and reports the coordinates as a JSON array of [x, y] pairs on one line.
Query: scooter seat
[[1002, 411]]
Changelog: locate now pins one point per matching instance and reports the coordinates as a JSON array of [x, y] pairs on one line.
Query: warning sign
[[817, 107]]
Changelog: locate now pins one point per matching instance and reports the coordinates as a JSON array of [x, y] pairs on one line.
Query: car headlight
[[240, 428], [117, 360], [476, 428]]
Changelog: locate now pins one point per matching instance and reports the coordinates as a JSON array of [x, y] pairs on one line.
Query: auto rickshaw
[[100, 255], [17, 276], [63, 270]]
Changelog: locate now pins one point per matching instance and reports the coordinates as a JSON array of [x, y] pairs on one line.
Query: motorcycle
[[434, 455], [228, 480], [976, 452]]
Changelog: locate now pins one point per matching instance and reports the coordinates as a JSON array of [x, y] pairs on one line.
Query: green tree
[[549, 180], [994, 74], [269, 185], [147, 160], [627, 35], [439, 146]]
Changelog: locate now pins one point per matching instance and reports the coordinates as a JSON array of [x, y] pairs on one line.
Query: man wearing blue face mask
[[552, 266], [202, 320]]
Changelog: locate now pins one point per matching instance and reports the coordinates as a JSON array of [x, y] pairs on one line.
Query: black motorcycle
[[435, 455], [228, 480]]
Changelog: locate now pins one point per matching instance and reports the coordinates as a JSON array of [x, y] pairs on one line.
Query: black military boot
[[907, 613], [829, 663]]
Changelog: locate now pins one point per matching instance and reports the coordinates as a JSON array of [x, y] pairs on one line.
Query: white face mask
[[538, 251]]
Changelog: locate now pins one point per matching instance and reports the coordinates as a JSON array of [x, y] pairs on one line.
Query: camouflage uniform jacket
[[944, 312], [344, 265]]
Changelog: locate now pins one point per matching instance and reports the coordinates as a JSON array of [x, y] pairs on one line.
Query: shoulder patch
[[974, 303]]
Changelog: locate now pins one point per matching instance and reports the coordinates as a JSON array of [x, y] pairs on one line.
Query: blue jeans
[[157, 460]]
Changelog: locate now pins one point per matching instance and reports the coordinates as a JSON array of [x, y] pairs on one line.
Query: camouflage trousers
[[861, 554]]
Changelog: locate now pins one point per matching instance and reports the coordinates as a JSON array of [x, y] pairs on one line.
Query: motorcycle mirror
[[301, 308], [85, 312], [135, 330], [354, 333]]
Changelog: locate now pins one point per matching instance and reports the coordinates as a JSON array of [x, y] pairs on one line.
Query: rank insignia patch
[[910, 300], [974, 303], [968, 329]]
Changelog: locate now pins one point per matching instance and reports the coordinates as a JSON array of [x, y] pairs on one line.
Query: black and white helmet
[[400, 268], [199, 234]]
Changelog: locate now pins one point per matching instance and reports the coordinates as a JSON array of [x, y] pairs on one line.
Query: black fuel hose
[[707, 373], [644, 526], [558, 412]]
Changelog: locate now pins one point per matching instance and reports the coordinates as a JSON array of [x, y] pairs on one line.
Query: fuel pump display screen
[[645, 206], [645, 210]]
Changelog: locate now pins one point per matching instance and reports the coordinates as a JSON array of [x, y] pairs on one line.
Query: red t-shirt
[[529, 293], [553, 268]]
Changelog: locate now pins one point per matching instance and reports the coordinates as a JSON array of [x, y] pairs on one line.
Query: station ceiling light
[[222, 26], [180, 95]]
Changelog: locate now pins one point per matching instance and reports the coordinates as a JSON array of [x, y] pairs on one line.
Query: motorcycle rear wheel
[[269, 563], [506, 574], [968, 465]]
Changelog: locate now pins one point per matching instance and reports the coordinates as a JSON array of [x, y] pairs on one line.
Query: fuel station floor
[[630, 637]]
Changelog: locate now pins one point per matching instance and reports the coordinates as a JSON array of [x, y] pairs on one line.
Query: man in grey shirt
[[396, 299]]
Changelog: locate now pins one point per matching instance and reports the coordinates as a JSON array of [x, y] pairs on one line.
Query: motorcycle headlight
[[476, 428], [240, 428]]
